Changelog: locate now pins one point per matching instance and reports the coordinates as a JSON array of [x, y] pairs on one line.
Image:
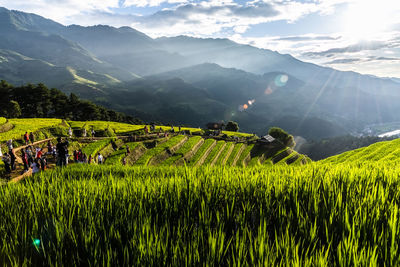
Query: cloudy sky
[[358, 35]]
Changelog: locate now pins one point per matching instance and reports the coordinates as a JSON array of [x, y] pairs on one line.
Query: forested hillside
[[37, 101]]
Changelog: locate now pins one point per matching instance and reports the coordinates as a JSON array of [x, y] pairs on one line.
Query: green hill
[[187, 195], [383, 152]]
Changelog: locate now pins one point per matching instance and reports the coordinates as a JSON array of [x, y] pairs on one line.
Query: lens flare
[[268, 91], [281, 80], [36, 242]]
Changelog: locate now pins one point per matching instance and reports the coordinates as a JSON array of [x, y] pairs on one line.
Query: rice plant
[[314, 215]]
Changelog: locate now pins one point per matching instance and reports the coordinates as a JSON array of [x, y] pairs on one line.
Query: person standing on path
[[99, 158], [26, 138], [35, 166], [7, 162], [62, 152], [12, 158], [32, 137], [29, 154], [24, 160], [9, 145], [70, 132]]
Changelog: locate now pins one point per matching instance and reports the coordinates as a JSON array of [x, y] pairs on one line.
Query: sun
[[365, 19]]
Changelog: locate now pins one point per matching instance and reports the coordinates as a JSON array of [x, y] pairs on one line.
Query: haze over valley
[[191, 81]]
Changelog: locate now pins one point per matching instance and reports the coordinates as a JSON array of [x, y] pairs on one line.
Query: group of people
[[29, 138], [34, 157], [9, 158], [31, 157], [80, 157]]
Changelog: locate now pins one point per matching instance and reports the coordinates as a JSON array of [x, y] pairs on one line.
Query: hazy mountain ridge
[[215, 77]]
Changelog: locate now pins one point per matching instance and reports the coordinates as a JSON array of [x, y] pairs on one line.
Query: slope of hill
[[158, 147], [383, 152], [269, 216], [226, 52], [19, 69], [36, 37]]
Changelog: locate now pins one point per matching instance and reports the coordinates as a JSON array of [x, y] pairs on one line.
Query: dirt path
[[16, 176], [18, 159]]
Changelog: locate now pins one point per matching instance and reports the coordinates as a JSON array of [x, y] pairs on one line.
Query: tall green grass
[[385, 151], [313, 215]]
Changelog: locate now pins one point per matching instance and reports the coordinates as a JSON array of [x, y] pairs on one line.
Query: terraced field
[[382, 151], [163, 148], [117, 156], [342, 211], [183, 151], [117, 127], [150, 149], [20, 126]]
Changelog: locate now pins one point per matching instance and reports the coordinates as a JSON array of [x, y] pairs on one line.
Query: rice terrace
[[199, 133], [189, 199]]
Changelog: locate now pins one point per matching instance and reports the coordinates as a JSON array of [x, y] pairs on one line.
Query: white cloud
[[60, 10], [151, 3], [227, 18]]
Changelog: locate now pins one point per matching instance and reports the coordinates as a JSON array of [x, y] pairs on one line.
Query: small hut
[[215, 125], [267, 141]]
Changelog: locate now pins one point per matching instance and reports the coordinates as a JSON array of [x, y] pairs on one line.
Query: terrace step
[[135, 154], [282, 155], [243, 147], [227, 151], [246, 155], [214, 160], [191, 153], [293, 158], [205, 155], [157, 159]]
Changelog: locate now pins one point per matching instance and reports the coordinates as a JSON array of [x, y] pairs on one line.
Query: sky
[[349, 35]]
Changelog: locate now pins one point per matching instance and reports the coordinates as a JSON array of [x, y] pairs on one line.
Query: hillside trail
[[18, 159]]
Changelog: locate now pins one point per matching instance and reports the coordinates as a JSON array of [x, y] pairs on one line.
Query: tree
[[14, 110], [282, 136], [33, 101], [232, 126]]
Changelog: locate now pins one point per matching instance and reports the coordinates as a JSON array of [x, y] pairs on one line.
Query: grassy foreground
[[318, 214]]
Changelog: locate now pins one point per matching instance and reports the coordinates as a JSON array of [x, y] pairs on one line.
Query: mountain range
[[191, 81]]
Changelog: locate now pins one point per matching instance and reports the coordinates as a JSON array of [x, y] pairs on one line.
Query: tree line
[[38, 101]]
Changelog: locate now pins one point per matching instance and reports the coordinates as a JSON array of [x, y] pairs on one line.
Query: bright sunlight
[[365, 19]]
